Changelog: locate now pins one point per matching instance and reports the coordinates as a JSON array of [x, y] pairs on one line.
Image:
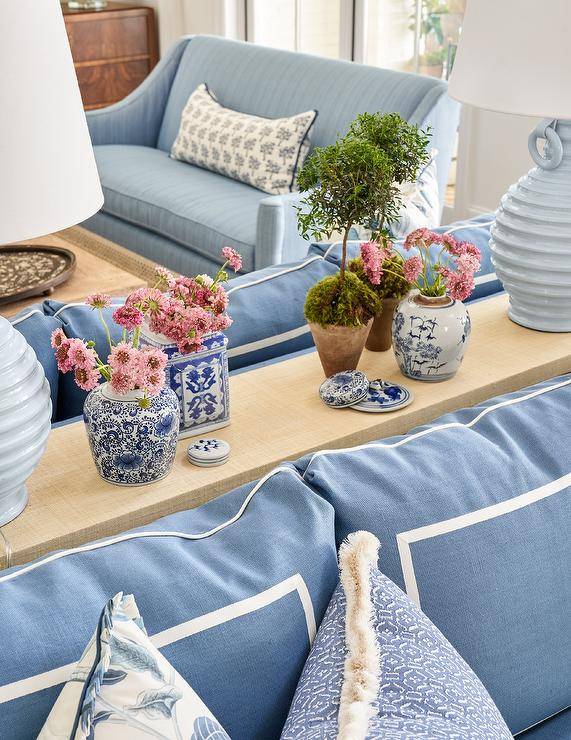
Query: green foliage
[[346, 183], [393, 283], [404, 143], [341, 302]]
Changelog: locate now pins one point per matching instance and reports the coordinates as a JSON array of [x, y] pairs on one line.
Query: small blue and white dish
[[384, 396], [206, 453], [344, 389]]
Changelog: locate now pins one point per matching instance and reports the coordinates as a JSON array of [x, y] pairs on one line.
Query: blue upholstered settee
[[180, 215]]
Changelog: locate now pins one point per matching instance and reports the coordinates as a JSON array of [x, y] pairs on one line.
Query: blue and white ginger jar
[[131, 446], [199, 379], [430, 336]]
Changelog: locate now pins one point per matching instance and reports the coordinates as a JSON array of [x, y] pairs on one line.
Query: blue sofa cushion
[[228, 593], [475, 230], [425, 689], [198, 209], [37, 328], [275, 298], [473, 512]]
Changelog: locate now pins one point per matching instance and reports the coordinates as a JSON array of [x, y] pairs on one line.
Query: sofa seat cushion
[[473, 512], [231, 593], [198, 209]]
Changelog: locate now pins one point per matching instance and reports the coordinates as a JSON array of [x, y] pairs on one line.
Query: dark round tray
[[29, 270]]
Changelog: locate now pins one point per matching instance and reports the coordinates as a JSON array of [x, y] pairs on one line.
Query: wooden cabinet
[[113, 49]]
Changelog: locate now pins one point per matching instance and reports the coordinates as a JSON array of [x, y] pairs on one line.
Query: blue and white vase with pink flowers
[[187, 323], [431, 326], [131, 418]]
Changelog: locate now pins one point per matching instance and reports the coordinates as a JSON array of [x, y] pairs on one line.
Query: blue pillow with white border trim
[[227, 590], [475, 230], [473, 512]]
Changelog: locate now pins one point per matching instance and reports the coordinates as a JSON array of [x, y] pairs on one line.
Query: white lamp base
[[12, 504], [531, 237]]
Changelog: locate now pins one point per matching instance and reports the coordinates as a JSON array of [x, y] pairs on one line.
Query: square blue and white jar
[[199, 379]]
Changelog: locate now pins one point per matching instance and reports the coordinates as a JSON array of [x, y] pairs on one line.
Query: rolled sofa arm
[[137, 118], [277, 236]]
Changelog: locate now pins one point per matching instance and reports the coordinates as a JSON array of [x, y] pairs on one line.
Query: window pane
[[272, 24], [390, 34], [413, 35], [319, 27], [312, 26]]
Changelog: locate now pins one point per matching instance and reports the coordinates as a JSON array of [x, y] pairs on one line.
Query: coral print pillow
[[263, 152], [124, 688]]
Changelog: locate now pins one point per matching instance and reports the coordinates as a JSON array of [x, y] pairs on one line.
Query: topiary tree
[[406, 147], [355, 181]]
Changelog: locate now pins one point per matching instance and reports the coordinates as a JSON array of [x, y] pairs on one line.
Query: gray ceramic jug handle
[[553, 154]]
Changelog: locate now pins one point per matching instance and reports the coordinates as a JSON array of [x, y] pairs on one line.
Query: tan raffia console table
[[276, 415]]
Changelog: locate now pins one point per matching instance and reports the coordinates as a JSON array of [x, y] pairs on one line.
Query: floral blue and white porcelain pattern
[[200, 381], [429, 341], [384, 396], [131, 446], [123, 687], [344, 389]]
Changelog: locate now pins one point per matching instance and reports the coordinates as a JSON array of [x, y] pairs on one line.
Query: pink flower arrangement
[[191, 309], [452, 272]]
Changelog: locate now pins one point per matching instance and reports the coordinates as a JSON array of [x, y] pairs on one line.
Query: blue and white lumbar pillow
[[379, 667], [123, 687], [266, 153]]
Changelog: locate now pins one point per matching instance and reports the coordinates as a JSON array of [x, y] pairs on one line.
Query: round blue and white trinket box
[[344, 389], [384, 396], [206, 453]]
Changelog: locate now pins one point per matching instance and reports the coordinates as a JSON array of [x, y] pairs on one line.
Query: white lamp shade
[[48, 175], [514, 56]]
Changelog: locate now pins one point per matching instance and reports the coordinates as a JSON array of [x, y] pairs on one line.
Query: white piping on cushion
[[467, 225], [440, 427], [137, 535], [275, 274], [361, 673], [269, 341], [81, 304], [26, 316]]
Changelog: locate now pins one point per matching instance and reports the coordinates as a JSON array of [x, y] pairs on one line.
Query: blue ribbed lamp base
[[531, 237]]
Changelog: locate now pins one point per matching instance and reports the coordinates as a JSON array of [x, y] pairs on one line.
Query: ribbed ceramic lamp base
[[25, 413], [13, 504], [531, 239]]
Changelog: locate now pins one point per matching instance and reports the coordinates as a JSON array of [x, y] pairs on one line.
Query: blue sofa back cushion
[[37, 328], [473, 512], [476, 230], [234, 610], [267, 308], [426, 690]]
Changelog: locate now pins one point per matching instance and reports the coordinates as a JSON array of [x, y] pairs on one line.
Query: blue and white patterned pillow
[[379, 668], [123, 687]]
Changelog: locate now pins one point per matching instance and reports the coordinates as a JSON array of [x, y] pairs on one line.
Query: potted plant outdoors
[[431, 326], [345, 184], [132, 418], [389, 284], [407, 149]]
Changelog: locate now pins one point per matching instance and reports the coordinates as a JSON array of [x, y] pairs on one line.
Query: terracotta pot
[[339, 347], [380, 337]]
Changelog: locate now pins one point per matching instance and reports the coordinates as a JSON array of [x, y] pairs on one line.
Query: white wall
[[492, 154]]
